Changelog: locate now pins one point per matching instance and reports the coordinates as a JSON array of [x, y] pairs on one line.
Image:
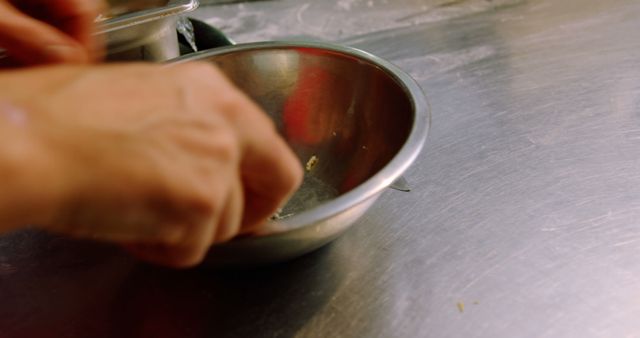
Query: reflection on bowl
[[355, 121]]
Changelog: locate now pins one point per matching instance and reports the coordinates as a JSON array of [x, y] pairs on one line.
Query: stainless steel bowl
[[355, 121]]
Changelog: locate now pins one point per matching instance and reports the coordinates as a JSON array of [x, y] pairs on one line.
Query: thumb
[[32, 42]]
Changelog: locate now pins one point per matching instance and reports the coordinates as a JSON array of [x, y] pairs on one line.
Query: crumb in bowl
[[313, 161]]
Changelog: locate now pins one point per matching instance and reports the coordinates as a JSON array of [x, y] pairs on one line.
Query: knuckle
[[206, 202], [226, 147]]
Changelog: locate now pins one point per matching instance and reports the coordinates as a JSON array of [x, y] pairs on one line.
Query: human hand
[[35, 32], [165, 160]]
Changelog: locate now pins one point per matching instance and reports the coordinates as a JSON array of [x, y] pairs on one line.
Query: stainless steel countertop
[[523, 219]]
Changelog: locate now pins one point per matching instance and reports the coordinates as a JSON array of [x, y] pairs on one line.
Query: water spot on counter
[[345, 4], [300, 12], [437, 63]]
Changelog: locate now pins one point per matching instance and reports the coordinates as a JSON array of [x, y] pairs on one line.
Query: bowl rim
[[394, 169]]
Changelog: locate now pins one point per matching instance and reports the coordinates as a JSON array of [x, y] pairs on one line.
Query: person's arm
[[165, 160]]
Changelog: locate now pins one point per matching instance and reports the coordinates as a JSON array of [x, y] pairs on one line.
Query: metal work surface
[[523, 220]]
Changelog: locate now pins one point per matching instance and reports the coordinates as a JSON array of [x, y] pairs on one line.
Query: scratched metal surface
[[524, 214], [523, 219]]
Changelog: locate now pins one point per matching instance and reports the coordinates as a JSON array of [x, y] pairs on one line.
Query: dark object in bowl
[[354, 120]]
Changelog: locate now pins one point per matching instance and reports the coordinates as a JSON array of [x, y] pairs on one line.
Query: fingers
[[271, 174], [32, 42], [266, 174], [189, 254], [77, 19], [194, 247], [270, 170], [231, 219]]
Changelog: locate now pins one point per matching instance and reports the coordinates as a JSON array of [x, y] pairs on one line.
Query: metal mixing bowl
[[354, 120]]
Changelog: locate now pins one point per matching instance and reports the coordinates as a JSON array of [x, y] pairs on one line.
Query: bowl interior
[[344, 117]]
